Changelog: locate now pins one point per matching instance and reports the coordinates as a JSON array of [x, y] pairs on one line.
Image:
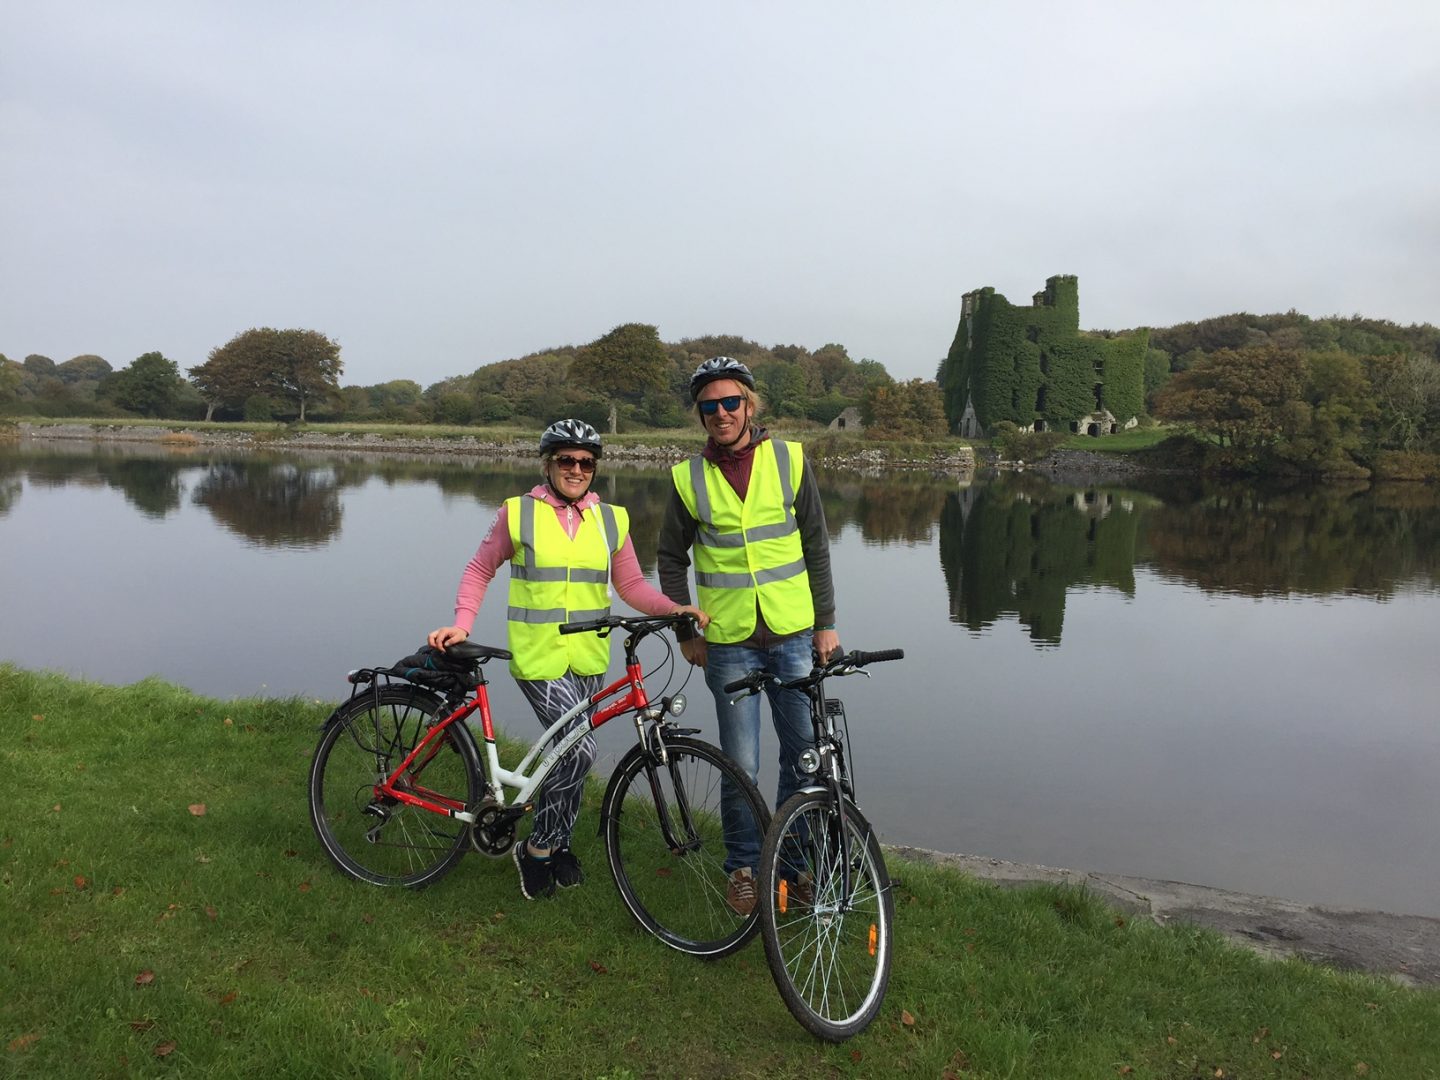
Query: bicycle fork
[[657, 756]]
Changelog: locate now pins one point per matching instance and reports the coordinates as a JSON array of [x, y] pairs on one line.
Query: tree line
[[626, 379]]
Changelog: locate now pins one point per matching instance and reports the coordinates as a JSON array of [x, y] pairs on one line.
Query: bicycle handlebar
[[844, 664], [635, 624]]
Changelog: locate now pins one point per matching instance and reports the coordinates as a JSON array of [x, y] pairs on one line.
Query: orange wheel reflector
[[873, 937], [784, 895]]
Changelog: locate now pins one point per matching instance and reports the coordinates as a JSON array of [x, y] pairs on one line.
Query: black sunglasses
[[569, 461], [711, 407]]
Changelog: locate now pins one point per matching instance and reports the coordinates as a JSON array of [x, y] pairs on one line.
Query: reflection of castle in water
[[1016, 546]]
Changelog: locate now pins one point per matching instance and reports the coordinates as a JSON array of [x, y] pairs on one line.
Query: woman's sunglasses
[[711, 407], [569, 461]]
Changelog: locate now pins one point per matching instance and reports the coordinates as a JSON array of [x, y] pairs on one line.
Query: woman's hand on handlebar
[[446, 635], [701, 619]]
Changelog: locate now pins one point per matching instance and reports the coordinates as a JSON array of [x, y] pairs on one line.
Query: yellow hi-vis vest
[[748, 551], [554, 580]]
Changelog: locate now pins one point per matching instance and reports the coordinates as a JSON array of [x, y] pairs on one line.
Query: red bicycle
[[399, 790]]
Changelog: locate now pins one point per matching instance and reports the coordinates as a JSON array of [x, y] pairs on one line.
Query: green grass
[[1124, 442], [139, 937]]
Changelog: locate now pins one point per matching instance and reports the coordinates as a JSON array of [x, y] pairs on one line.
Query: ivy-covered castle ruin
[[1033, 366]]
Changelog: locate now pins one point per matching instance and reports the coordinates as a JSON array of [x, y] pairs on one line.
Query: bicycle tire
[[830, 966], [383, 841], [680, 897]]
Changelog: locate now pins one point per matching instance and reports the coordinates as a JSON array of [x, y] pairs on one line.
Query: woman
[[565, 548]]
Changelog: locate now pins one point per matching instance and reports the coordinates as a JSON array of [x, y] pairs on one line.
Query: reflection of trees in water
[[152, 485], [1336, 539], [275, 505], [9, 491], [1016, 545], [897, 509]]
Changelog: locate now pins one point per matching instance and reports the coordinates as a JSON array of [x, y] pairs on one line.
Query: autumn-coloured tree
[[1236, 396]]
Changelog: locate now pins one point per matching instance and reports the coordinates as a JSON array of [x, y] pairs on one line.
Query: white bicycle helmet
[[576, 433], [720, 367]]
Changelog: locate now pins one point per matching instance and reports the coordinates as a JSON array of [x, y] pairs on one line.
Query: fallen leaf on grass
[[290, 853], [23, 1042], [304, 886], [81, 882], [198, 809], [1361, 1069], [145, 978], [118, 890], [598, 967], [202, 858], [906, 1018], [38, 718], [141, 1025], [855, 1056], [56, 808], [165, 1049], [229, 998]]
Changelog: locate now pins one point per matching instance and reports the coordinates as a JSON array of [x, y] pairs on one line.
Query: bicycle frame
[[521, 777]]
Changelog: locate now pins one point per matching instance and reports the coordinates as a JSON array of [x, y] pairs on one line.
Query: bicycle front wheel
[[829, 950], [376, 838], [665, 828]]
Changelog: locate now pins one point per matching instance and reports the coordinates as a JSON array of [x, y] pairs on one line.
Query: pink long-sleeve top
[[497, 549]]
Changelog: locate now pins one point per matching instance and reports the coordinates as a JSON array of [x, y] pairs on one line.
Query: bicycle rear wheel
[[676, 888], [830, 959], [379, 839]]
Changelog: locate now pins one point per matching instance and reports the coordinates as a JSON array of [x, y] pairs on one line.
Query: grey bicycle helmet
[[575, 433], [719, 367]]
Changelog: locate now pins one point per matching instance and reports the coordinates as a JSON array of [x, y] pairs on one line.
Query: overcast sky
[[442, 185]]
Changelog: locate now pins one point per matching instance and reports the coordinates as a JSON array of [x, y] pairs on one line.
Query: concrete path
[[1404, 948]]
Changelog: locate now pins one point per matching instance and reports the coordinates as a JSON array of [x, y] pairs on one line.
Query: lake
[[1234, 686]]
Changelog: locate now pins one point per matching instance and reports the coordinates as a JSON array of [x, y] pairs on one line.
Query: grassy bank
[[164, 908]]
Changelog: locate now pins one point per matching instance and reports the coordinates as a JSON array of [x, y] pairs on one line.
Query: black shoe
[[537, 876], [567, 868]]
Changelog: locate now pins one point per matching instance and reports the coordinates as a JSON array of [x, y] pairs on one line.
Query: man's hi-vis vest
[[748, 551], [554, 580]]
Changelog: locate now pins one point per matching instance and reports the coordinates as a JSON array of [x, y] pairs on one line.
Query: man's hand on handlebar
[[446, 635], [826, 644]]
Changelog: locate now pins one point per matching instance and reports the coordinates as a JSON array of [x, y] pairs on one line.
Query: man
[[749, 507]]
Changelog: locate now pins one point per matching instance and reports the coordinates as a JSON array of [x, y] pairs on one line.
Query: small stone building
[[848, 420]]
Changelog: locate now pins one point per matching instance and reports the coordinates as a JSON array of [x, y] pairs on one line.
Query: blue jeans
[[790, 659]]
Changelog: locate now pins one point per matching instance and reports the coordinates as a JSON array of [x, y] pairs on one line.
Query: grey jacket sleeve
[[815, 541]]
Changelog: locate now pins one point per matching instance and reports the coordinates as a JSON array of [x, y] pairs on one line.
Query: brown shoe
[[740, 893], [799, 893]]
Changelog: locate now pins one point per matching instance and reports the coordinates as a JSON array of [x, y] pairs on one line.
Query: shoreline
[[961, 462], [1402, 948]]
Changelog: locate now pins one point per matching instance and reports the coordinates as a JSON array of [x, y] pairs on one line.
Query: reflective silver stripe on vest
[[782, 459], [702, 493], [742, 581], [780, 573], [593, 577], [585, 616], [711, 538], [772, 532], [537, 615], [527, 534], [612, 527], [723, 581], [537, 573]]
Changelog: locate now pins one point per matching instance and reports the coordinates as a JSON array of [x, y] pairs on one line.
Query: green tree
[[306, 366], [1237, 396], [12, 377], [1407, 394], [149, 386], [84, 368], [296, 365], [622, 365]]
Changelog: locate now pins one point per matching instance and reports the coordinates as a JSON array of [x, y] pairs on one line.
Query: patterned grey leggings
[[557, 803]]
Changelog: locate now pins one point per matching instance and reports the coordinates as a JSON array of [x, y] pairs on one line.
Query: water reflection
[[1017, 546]]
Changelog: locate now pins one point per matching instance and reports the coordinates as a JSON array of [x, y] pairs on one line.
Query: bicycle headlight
[[809, 761], [677, 705]]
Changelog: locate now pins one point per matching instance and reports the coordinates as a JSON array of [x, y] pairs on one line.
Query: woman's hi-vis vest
[[554, 580], [751, 551]]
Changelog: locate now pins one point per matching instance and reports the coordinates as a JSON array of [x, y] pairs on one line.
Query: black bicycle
[[826, 912]]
